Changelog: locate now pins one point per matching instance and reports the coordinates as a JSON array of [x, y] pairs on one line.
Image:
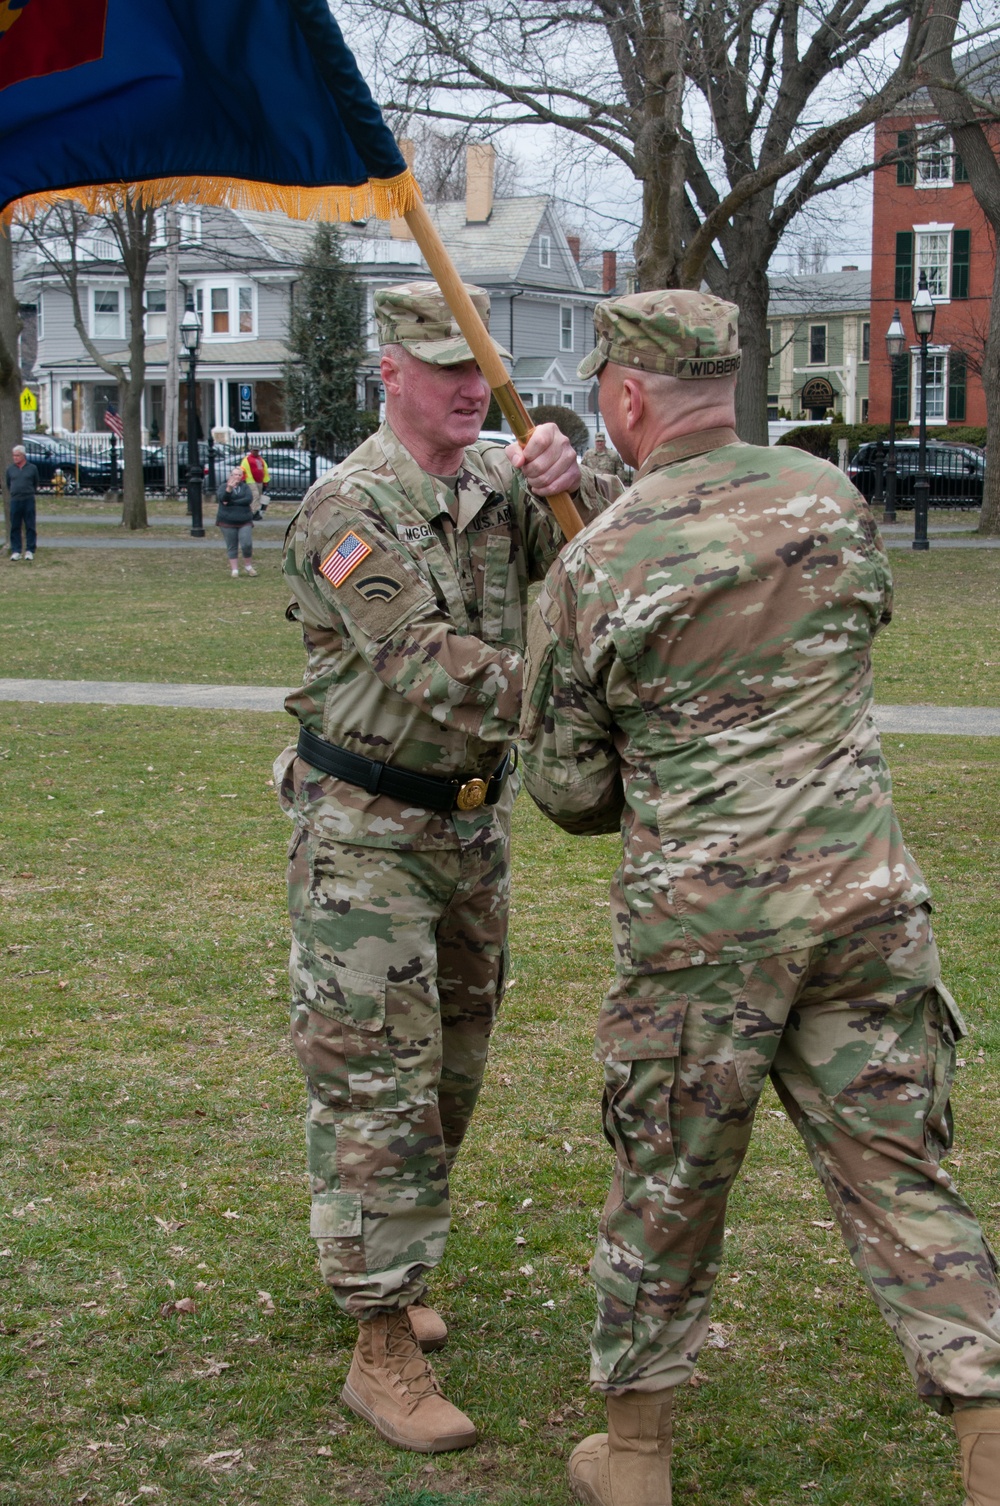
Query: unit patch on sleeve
[[378, 587], [344, 557]]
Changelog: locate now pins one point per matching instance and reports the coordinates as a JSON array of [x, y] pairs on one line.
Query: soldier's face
[[445, 404]]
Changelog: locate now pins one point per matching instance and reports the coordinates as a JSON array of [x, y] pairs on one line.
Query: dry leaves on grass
[[214, 1367], [223, 1459], [168, 1225], [266, 1301], [182, 1305]]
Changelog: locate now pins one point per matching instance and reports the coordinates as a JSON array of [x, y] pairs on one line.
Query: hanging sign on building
[[818, 393], [246, 403]]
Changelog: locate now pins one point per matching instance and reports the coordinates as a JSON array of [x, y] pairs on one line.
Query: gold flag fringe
[[383, 198]]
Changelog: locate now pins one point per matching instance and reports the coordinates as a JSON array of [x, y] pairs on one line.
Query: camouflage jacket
[[414, 644], [699, 667]]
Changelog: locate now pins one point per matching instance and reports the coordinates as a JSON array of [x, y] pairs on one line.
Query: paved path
[[958, 721]]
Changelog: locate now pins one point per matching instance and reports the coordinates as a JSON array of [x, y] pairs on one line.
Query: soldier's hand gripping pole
[[478, 339]]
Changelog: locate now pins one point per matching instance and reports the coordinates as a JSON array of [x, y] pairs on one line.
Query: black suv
[[955, 472]]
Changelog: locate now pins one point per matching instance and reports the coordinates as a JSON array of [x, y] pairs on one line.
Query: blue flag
[[250, 103]]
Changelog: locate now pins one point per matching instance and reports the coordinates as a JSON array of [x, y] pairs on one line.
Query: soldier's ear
[[389, 372], [633, 401]]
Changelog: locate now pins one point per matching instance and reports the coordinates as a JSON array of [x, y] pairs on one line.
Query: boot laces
[[410, 1365]]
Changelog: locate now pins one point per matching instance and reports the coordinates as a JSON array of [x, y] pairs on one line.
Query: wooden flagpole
[[478, 339]]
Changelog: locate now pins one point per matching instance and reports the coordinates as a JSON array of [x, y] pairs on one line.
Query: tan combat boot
[[629, 1465], [392, 1386], [978, 1430], [429, 1328]]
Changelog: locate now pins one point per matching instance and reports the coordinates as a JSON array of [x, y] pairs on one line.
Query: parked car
[[49, 455], [955, 472]]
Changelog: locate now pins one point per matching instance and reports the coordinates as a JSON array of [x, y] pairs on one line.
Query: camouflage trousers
[[397, 968], [858, 1037]]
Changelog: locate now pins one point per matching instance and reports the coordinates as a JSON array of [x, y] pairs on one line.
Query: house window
[[866, 341], [194, 298], [772, 407], [245, 294], [106, 323], [527, 398], [934, 158], [901, 393], [566, 327], [937, 387], [40, 317], [567, 398], [770, 350], [220, 311], [545, 251], [864, 410], [156, 313], [189, 224], [817, 345], [934, 260]]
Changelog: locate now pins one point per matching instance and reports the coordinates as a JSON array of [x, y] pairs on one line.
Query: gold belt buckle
[[471, 795]]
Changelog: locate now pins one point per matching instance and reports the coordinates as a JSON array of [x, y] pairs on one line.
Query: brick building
[[925, 219]]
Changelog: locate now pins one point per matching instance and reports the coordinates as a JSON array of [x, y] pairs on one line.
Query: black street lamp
[[895, 344], [191, 335], [923, 323]]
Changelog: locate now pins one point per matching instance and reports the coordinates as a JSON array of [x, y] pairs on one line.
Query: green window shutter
[[961, 175], [956, 389], [960, 247], [901, 391], [904, 166], [904, 265]]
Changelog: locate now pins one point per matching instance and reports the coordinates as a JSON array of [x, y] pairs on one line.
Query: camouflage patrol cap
[[416, 316], [675, 331]]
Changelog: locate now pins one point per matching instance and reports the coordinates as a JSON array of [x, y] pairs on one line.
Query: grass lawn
[[176, 615], [152, 1148]]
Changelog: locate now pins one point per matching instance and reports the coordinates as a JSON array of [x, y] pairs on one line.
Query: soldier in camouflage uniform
[[599, 458], [409, 566], [699, 673]]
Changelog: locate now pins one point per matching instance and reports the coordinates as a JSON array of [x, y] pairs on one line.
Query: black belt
[[462, 793]]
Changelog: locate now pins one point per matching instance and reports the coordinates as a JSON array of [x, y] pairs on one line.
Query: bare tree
[[10, 370], [730, 115], [440, 162], [959, 108], [61, 236]]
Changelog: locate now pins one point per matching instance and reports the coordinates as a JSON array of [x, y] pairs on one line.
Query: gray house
[[820, 329], [239, 270]]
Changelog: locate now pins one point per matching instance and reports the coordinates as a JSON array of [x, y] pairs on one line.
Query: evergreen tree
[[325, 338]]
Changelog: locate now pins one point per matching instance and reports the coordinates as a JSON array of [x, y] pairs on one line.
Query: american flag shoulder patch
[[344, 557]]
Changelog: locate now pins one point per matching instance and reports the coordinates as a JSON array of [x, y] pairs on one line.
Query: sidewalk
[[952, 721]]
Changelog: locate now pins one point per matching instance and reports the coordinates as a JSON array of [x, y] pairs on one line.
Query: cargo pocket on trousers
[[638, 1041], [945, 1027], [335, 1223], [617, 1273], [338, 1030]]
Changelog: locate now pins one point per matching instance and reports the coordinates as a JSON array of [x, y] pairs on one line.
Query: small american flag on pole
[[113, 421]]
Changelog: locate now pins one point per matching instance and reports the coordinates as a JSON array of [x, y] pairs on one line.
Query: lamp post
[[923, 323], [191, 335], [895, 344]]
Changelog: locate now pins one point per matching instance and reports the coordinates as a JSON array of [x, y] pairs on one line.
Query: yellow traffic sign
[[29, 402]]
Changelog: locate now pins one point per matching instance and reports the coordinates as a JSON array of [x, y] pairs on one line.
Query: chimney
[[573, 242], [399, 228], [609, 274], [480, 158]]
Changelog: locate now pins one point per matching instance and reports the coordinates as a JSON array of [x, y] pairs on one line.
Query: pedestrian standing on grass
[[22, 482], [409, 567], [235, 518], [699, 676], [257, 474]]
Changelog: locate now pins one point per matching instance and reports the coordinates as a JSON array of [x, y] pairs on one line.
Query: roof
[[495, 249], [978, 69], [284, 239], [537, 368], [793, 294], [213, 353]]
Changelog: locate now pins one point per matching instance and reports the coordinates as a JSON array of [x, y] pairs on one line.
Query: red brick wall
[[962, 323]]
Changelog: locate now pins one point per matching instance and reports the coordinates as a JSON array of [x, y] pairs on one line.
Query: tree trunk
[[749, 283], [10, 371], [989, 518], [133, 490], [659, 154]]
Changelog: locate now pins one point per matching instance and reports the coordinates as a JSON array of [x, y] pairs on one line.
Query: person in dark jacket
[[235, 518], [22, 482]]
